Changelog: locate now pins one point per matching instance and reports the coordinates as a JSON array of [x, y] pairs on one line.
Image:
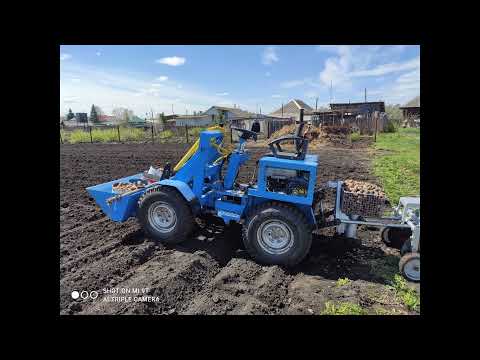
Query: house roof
[[292, 107], [237, 111], [359, 106]]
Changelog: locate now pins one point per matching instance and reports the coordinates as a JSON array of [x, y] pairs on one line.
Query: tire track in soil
[[208, 274]]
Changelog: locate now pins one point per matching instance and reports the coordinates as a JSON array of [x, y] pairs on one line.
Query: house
[[411, 111], [107, 119], [354, 109], [191, 120], [81, 117], [292, 110], [228, 113]]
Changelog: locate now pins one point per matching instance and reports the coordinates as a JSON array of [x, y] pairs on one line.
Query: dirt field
[[210, 273]]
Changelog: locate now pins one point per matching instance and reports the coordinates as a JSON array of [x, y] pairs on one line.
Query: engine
[[287, 181]]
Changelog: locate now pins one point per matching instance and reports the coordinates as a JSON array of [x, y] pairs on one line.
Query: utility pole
[[365, 94], [331, 91], [316, 103], [282, 109]]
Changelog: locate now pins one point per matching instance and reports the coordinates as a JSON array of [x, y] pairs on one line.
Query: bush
[[355, 136], [390, 127]]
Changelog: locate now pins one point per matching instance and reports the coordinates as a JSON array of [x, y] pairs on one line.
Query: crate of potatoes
[[362, 198]]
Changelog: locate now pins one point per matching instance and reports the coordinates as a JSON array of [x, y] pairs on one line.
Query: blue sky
[[194, 77]]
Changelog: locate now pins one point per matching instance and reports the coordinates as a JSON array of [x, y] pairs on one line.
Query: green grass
[[399, 169], [165, 134], [104, 135], [344, 308], [343, 282], [406, 294]]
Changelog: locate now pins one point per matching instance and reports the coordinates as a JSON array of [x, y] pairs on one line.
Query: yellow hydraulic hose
[[193, 149]]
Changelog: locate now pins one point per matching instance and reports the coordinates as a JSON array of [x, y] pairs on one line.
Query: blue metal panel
[[234, 163], [194, 171], [180, 186], [121, 209], [308, 164]]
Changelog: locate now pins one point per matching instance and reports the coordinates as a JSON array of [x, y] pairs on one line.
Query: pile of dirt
[[332, 135]]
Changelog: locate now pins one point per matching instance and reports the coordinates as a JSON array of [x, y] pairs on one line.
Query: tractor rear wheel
[[165, 215], [277, 234]]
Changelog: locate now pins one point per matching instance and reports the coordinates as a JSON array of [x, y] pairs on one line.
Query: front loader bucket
[[121, 209]]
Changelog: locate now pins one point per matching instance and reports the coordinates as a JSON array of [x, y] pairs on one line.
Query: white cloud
[[157, 85], [222, 94], [269, 56], [111, 88], [293, 83], [179, 86], [268, 73], [98, 53], [389, 68], [172, 61], [64, 56], [75, 80], [162, 78]]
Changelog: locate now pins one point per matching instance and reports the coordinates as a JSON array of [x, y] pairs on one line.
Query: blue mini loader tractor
[[278, 213]]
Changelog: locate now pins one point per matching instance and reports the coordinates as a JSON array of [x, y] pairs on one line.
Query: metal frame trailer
[[406, 216]]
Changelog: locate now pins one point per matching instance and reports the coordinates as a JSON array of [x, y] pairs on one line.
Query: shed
[[191, 120], [227, 112]]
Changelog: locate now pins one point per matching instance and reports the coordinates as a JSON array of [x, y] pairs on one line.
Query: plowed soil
[[210, 273]]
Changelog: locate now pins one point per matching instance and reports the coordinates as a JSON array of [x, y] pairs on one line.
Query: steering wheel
[[246, 134]]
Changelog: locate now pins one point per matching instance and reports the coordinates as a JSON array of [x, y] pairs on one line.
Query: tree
[[70, 115], [394, 113], [163, 120], [93, 115], [99, 110]]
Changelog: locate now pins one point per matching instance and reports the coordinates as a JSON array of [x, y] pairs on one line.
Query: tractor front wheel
[[277, 234], [409, 266], [165, 215]]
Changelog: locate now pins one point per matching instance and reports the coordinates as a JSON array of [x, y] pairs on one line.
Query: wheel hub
[[162, 217], [275, 237]]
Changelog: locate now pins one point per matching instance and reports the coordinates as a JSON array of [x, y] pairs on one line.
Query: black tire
[[297, 230], [395, 237], [173, 201], [409, 266]]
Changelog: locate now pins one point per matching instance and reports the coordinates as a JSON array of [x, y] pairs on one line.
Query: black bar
[[231, 135], [118, 132], [90, 130], [152, 134], [186, 132], [61, 140]]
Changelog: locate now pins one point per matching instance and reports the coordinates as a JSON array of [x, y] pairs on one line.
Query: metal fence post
[[231, 135], [186, 132], [118, 132], [90, 131], [152, 134]]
